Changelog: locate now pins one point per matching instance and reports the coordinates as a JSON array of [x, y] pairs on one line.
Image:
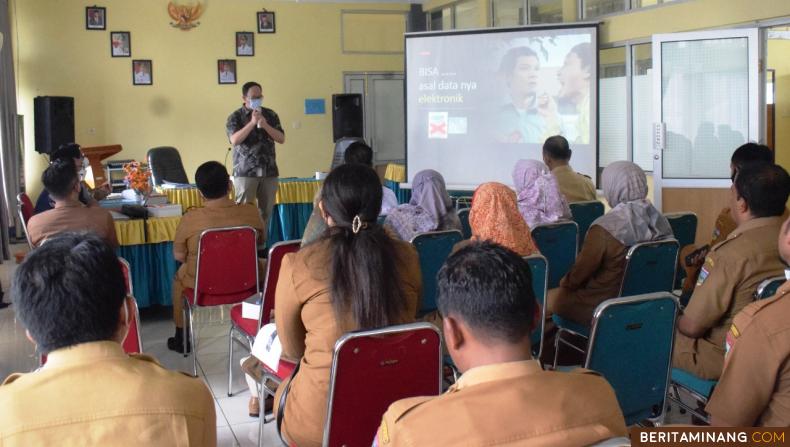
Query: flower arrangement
[[137, 178]]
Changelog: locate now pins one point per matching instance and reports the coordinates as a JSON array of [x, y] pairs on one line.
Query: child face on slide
[[574, 78], [524, 81]]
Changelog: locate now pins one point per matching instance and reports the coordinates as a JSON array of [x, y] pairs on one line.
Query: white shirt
[[226, 76]]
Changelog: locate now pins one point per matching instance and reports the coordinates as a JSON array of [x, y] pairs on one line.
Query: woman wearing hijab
[[599, 268], [495, 217], [539, 197], [430, 208]]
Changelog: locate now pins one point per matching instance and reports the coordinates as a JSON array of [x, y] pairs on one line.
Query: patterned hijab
[[633, 219], [538, 193], [494, 216], [428, 206]]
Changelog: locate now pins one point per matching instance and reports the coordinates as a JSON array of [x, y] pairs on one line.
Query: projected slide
[[477, 102]]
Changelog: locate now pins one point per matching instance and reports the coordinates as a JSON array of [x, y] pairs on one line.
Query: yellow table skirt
[[289, 191], [395, 173], [160, 229]]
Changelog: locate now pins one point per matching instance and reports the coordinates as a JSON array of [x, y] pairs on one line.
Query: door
[[382, 95], [706, 97]]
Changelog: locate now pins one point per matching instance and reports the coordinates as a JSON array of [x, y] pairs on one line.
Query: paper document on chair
[[267, 347], [251, 307]]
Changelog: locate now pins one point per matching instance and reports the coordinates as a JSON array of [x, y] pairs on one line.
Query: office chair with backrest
[[539, 268], [584, 214], [631, 345], [466, 229], [165, 165], [133, 343], [768, 288], [558, 242], [433, 248], [226, 273], [248, 328], [24, 211], [684, 228]]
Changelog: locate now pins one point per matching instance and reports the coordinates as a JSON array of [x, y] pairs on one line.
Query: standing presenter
[[253, 130]]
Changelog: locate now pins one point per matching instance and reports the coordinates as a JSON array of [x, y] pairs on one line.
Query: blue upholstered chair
[[539, 268], [584, 214], [433, 248], [631, 346], [767, 288], [558, 242], [684, 227], [463, 216], [650, 267]]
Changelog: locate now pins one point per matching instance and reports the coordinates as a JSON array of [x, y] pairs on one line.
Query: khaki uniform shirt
[[574, 186], [508, 404], [95, 394], [732, 271], [215, 214], [595, 277], [308, 329], [754, 389], [72, 216]]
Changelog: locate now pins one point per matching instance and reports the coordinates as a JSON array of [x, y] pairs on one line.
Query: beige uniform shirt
[[732, 271], [308, 329], [215, 214], [754, 389], [508, 404], [72, 216], [574, 186], [93, 394]]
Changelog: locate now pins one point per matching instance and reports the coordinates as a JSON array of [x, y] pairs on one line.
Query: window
[[507, 12], [551, 11], [613, 107], [441, 19], [595, 8], [466, 15], [642, 105]]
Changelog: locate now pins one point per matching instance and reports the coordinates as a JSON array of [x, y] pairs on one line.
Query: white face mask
[[256, 103], [81, 174]]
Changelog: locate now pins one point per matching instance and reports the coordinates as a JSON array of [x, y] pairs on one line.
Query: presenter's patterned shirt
[[255, 156]]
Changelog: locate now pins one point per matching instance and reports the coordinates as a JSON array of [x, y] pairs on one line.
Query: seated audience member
[[598, 271], [494, 217], [754, 386], [745, 154], [88, 196], [70, 295], [504, 397], [574, 186], [356, 152], [539, 198], [69, 214], [355, 277], [430, 208], [218, 211], [733, 269]]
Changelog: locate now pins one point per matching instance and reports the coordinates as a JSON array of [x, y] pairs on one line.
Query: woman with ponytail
[[354, 277]]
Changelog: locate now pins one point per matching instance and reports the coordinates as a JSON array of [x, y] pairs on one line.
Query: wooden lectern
[[95, 155]]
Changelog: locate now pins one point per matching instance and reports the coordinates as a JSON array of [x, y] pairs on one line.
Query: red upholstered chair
[[227, 273], [25, 211], [248, 328], [133, 343], [373, 369]]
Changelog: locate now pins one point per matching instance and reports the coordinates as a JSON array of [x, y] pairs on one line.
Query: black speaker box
[[347, 118], [54, 122]]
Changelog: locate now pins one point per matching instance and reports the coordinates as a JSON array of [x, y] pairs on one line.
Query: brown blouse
[[308, 329]]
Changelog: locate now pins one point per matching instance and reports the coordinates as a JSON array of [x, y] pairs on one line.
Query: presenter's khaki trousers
[[264, 189]]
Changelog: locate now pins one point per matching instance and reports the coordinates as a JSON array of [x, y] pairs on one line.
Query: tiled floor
[[234, 426]]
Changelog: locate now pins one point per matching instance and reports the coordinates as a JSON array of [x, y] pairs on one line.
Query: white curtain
[[9, 133]]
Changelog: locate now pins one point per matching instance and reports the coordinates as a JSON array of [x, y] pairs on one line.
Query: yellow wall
[[185, 107], [779, 60]]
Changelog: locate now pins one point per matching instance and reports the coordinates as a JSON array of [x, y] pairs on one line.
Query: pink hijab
[[539, 197]]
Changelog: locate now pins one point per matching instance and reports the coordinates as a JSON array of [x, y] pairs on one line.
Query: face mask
[[81, 173], [256, 103], [787, 274]]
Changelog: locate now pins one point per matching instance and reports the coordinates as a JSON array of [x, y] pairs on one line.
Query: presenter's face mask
[[256, 103]]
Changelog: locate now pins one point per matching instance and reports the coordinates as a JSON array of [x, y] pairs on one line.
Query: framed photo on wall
[[95, 17], [245, 43], [226, 71], [142, 72], [120, 44], [266, 22]]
